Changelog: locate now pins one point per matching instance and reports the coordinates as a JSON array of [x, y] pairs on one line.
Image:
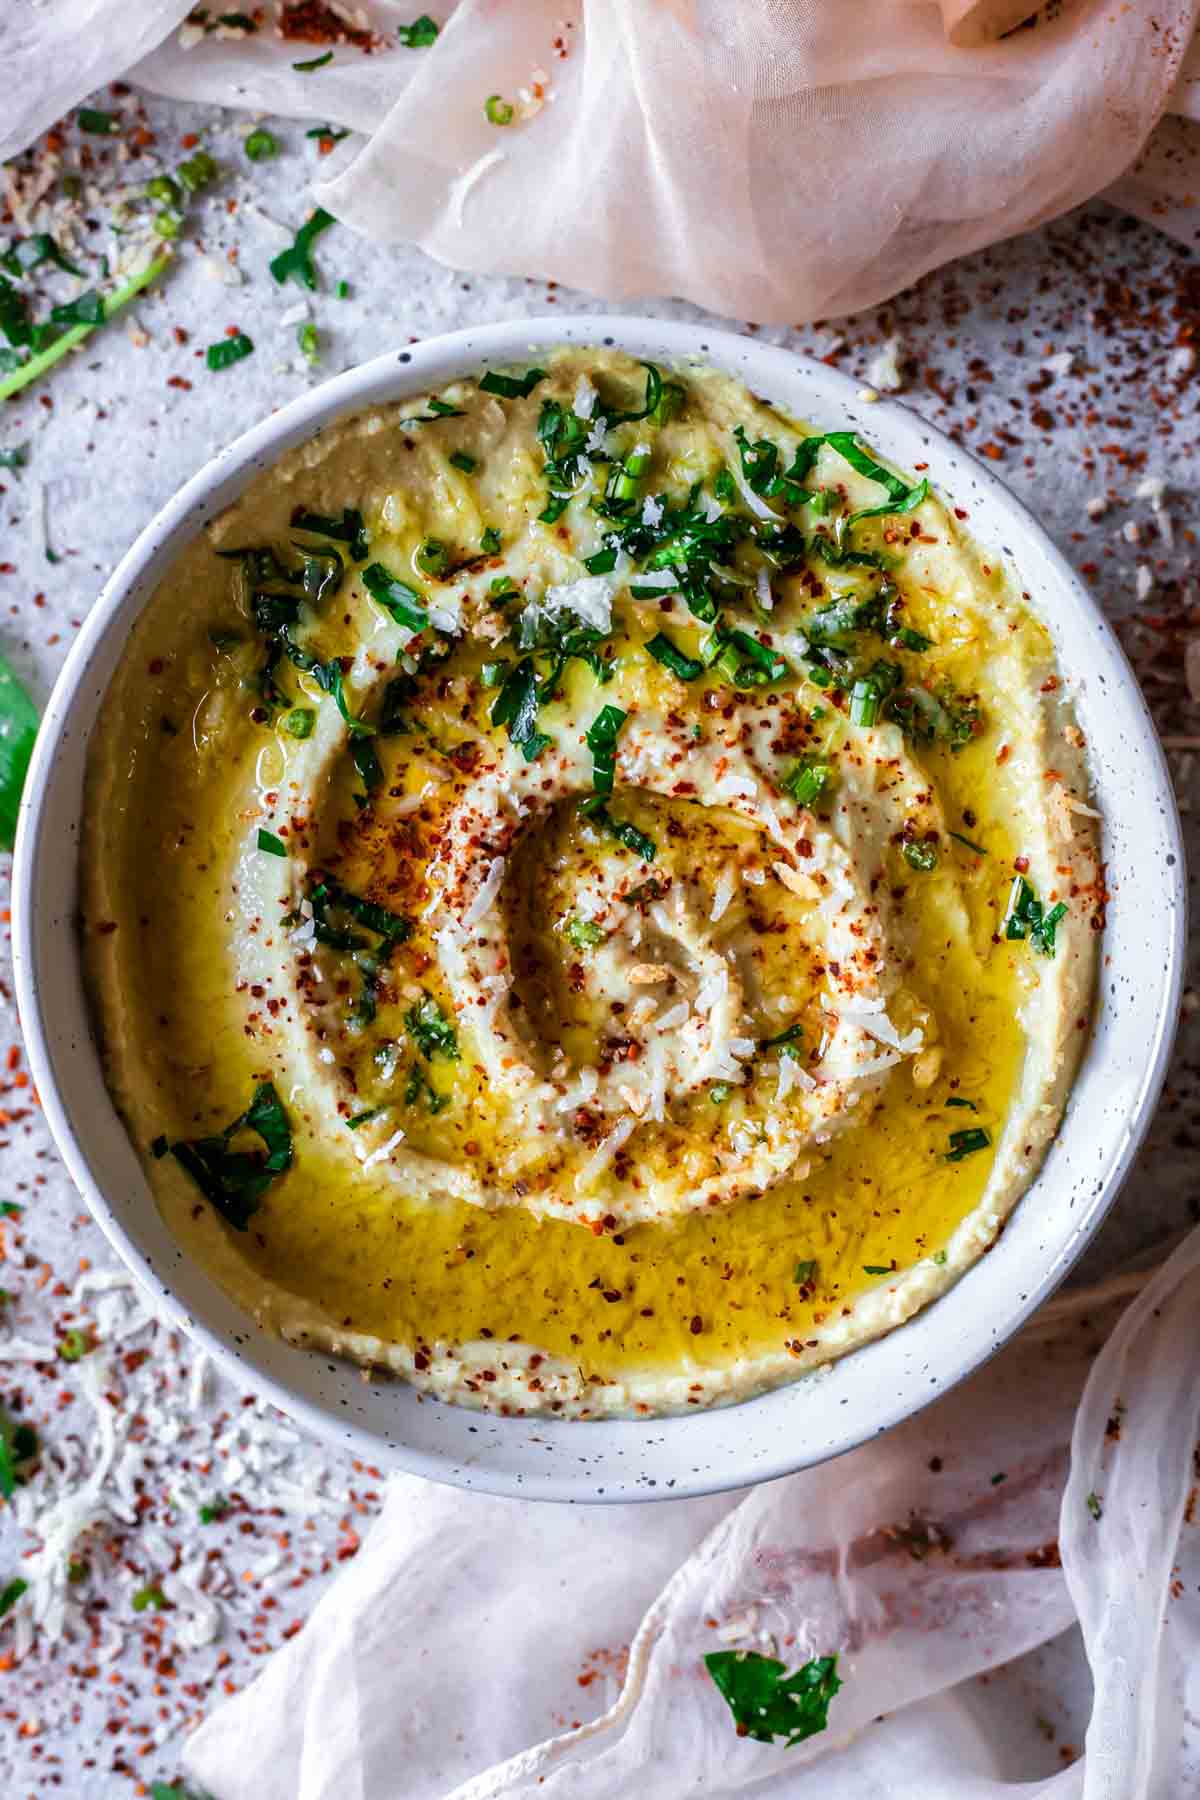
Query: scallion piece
[[687, 668], [313, 62], [922, 856], [306, 337], [460, 460], [300, 721], [260, 146], [296, 261], [91, 119], [497, 110], [272, 845], [808, 781]]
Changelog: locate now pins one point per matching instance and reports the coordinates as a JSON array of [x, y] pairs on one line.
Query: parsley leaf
[[296, 261], [396, 597], [419, 35], [234, 1181], [767, 1702], [601, 740], [430, 1030]]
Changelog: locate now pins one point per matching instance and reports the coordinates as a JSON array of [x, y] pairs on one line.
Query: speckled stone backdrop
[[1065, 357]]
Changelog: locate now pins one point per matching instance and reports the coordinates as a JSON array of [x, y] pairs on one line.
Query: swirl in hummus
[[590, 894]]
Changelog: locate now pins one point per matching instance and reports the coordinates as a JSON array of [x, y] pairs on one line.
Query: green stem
[[45, 359]]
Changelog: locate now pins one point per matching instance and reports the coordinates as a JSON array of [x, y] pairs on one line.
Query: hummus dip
[[590, 895]]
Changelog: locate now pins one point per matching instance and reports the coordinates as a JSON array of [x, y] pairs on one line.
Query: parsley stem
[[45, 359]]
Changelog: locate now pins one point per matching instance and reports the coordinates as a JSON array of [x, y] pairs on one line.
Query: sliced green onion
[[296, 261], [161, 187], [433, 558], [90, 119], [261, 145], [497, 110], [460, 460], [313, 62], [45, 359], [198, 171], [306, 337], [921, 856], [300, 721], [808, 781], [687, 668], [270, 843]]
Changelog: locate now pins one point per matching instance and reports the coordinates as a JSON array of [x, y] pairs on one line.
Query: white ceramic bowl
[[865, 1392]]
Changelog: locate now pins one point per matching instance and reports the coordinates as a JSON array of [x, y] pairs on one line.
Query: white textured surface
[[1093, 308]]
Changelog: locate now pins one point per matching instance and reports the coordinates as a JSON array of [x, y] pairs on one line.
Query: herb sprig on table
[[768, 1703]]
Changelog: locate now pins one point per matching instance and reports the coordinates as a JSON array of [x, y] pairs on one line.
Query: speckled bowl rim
[[818, 1416]]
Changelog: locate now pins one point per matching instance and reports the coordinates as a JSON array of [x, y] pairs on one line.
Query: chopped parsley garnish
[[214, 1509], [957, 1100], [585, 934], [296, 261], [806, 1272], [419, 1086], [329, 895], [396, 597], [419, 35], [270, 843], [28, 253], [360, 1118], [18, 729], [1095, 1506], [808, 780], [234, 1181], [511, 387], [966, 1143], [877, 1268], [497, 110], [672, 657], [922, 856], [10, 1593], [431, 1031], [313, 62], [767, 1702], [149, 1596], [18, 1445], [366, 761], [516, 708], [260, 146], [349, 529], [602, 742], [91, 119], [460, 460], [88, 309], [229, 351], [1026, 917], [625, 833]]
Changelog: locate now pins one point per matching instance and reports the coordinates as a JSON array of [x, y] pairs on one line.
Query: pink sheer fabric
[[776, 160]]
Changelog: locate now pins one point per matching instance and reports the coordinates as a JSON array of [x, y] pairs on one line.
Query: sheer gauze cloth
[[774, 160], [445, 1661]]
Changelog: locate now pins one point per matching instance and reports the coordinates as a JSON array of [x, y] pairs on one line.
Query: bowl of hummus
[[597, 910]]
